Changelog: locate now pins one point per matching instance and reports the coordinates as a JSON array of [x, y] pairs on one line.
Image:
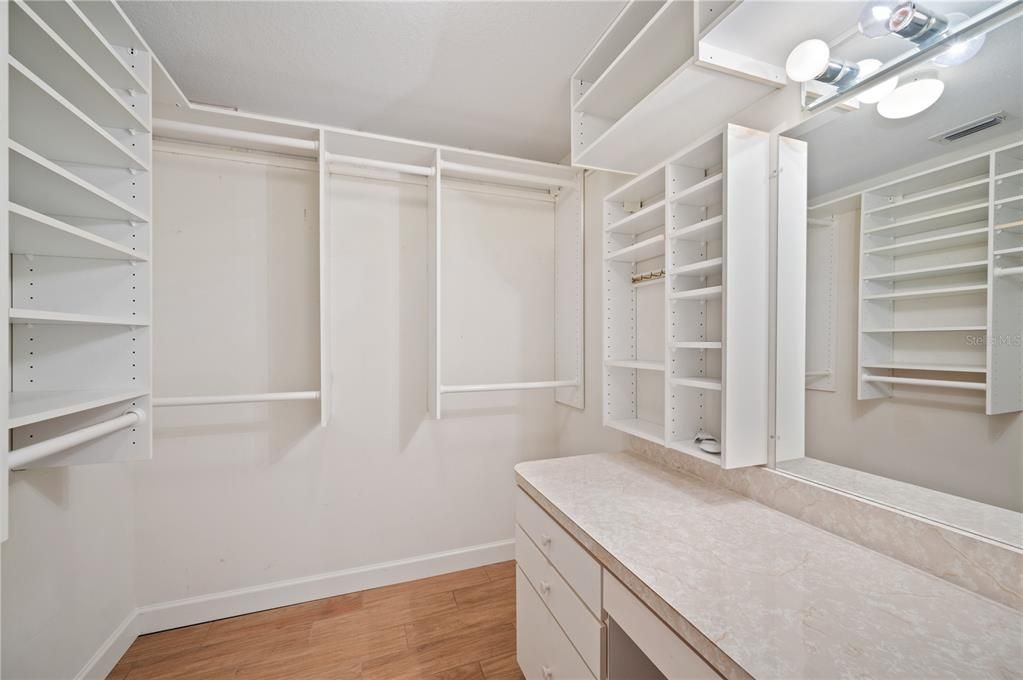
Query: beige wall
[[937, 439]]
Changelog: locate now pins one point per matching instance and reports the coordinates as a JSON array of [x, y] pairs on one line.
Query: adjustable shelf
[[702, 332], [646, 249], [33, 233], [707, 293], [704, 230], [44, 121], [639, 365], [68, 21], [42, 185], [928, 282], [26, 408], [646, 65], [647, 218], [41, 50], [48, 318], [79, 154]]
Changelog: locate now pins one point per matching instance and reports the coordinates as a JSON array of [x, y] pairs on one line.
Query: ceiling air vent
[[974, 126]]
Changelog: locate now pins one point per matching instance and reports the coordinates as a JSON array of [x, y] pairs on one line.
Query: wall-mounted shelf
[[931, 263], [645, 219], [710, 317], [647, 65], [79, 238]]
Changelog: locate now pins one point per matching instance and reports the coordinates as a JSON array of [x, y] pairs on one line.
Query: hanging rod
[[19, 458], [505, 387], [515, 177], [360, 162], [817, 374], [162, 125], [235, 398], [1008, 271], [819, 221], [957, 384]]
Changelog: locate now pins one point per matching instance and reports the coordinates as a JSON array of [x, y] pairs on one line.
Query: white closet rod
[[504, 387], [359, 162], [515, 177], [19, 458], [817, 374], [235, 398], [1009, 271], [162, 126], [958, 384]]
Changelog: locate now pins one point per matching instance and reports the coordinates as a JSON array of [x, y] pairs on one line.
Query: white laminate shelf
[[930, 272], [635, 364], [927, 293], [1010, 201], [704, 230], [638, 69], [704, 193], [927, 382], [957, 195], [932, 368], [649, 217], [46, 122], [701, 268], [698, 382], [40, 49], [26, 408], [699, 294], [961, 239], [971, 213], [697, 344], [928, 329], [692, 449], [1015, 250], [640, 428], [87, 42], [644, 250], [33, 233], [41, 317], [43, 185]]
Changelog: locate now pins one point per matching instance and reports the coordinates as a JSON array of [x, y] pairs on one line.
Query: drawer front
[[582, 628], [672, 656], [570, 559], [544, 652]]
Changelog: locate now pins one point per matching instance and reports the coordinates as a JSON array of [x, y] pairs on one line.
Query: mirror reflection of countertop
[[760, 593]]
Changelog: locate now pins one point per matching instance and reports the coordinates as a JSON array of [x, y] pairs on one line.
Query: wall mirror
[[914, 289]]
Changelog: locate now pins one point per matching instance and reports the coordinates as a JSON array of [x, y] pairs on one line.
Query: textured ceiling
[[492, 76]]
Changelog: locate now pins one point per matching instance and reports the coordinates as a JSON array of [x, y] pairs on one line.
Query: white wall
[[68, 572], [936, 439], [240, 496]]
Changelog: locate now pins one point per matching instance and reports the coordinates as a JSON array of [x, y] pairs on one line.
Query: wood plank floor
[[457, 626]]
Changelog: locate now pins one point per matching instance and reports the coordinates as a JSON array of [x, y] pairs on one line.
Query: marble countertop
[[760, 593]]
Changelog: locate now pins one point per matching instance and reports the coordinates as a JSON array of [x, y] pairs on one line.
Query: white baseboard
[[186, 612], [107, 656]]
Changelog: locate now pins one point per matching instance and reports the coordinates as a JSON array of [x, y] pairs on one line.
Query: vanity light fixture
[[913, 97], [811, 60], [960, 51], [909, 20], [878, 92]]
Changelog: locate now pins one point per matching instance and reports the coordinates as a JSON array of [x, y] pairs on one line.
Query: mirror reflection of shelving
[[940, 296]]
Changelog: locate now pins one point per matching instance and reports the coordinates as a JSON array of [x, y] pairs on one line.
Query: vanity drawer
[[669, 653], [544, 653], [570, 559], [582, 628]]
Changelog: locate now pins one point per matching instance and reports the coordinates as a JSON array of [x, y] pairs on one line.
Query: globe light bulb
[[878, 92]]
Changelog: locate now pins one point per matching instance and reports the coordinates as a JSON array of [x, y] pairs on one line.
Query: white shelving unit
[[652, 60], [79, 149], [688, 356], [937, 308]]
